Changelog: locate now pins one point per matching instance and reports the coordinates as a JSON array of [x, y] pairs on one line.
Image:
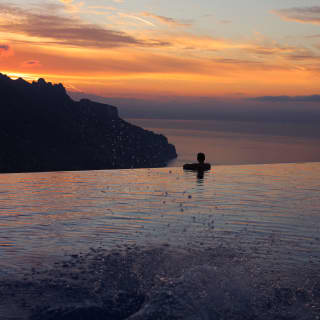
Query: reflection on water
[[271, 210], [199, 174]]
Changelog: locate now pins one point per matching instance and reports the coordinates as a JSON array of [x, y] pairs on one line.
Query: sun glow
[[25, 76], [167, 55]]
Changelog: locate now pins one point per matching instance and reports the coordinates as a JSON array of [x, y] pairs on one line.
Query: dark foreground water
[[241, 242]]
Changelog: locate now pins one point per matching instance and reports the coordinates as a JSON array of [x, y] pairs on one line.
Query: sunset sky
[[162, 48]]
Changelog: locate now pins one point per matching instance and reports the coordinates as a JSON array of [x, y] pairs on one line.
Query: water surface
[[271, 210], [241, 242]]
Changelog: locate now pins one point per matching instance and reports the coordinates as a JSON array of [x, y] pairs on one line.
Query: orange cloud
[[149, 62], [60, 30], [129, 71], [108, 8], [300, 14], [31, 64], [72, 7], [5, 50]]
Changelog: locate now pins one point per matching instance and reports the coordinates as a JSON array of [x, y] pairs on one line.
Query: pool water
[[239, 242], [269, 209]]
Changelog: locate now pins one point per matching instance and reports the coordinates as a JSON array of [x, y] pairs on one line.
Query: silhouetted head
[[201, 157]]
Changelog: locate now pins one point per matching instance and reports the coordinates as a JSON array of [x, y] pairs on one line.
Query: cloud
[[108, 8], [58, 29], [31, 64], [303, 57], [270, 50], [71, 6], [281, 99], [5, 50], [300, 14], [167, 20], [136, 18], [4, 47]]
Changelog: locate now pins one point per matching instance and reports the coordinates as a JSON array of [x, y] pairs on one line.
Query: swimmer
[[200, 166]]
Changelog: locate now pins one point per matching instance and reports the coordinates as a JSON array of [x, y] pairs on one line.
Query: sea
[[239, 242], [238, 142]]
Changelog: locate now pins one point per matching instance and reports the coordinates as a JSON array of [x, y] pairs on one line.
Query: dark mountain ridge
[[43, 129]]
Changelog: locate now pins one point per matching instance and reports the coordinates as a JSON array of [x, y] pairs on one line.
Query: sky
[[264, 52]]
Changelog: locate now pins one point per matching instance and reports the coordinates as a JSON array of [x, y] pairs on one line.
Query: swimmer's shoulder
[[197, 166], [190, 166], [207, 166]]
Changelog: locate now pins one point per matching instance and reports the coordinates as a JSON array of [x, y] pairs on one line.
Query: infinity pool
[[271, 211]]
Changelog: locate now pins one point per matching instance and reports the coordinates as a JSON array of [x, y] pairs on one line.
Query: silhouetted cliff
[[43, 129]]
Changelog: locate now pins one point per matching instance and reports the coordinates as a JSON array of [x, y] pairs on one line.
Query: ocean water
[[239, 242], [238, 142]]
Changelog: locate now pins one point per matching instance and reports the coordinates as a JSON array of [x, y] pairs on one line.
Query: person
[[200, 166]]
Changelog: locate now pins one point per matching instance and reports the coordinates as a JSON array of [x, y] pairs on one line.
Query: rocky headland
[[43, 129]]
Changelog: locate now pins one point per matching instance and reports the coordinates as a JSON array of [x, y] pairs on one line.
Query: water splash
[[162, 283]]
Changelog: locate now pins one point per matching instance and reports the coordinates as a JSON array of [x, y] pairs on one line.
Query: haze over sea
[[238, 142]]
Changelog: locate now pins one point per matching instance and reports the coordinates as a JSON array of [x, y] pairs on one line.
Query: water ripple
[[267, 207]]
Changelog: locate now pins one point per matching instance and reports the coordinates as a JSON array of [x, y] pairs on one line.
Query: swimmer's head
[[201, 157]]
